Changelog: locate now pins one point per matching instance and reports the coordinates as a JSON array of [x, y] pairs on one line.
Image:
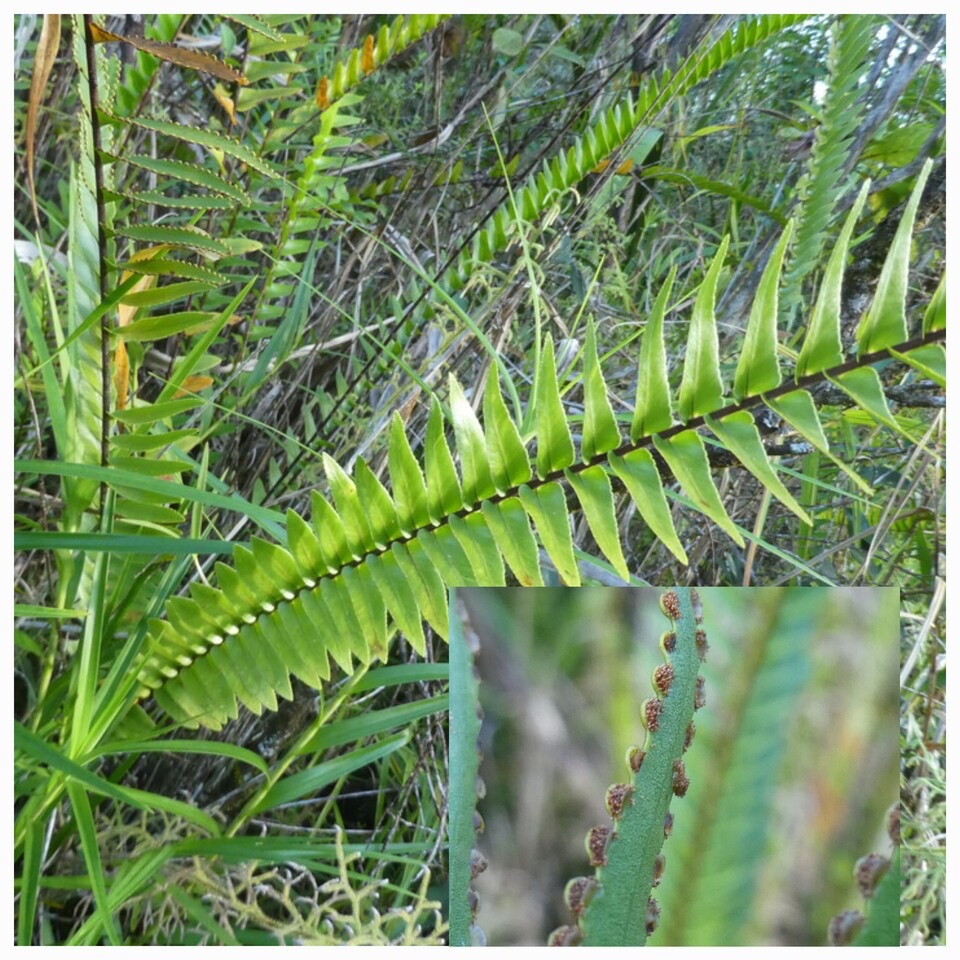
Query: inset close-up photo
[[678, 767]]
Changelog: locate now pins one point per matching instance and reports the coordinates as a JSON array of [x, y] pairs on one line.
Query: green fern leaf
[[640, 475], [687, 458], [547, 507], [739, 434], [510, 527], [701, 389], [508, 458], [758, 369], [600, 431], [472, 446], [592, 487], [554, 443], [885, 322], [821, 346], [652, 412]]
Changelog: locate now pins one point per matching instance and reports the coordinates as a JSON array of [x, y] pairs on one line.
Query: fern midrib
[[558, 476]]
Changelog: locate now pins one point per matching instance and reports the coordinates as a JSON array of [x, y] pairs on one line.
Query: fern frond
[[559, 173], [376, 51], [378, 559], [823, 180]]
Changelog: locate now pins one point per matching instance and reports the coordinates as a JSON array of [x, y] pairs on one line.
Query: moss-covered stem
[[617, 913]]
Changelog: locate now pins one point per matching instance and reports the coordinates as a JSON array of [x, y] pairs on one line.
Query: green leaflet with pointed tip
[[600, 431], [445, 553], [401, 601], [331, 535], [235, 589], [333, 595], [701, 389], [653, 411], [257, 578], [554, 443], [168, 325], [275, 563], [191, 172], [798, 409], [304, 546], [687, 458], [368, 607], [205, 138], [509, 462], [930, 360], [592, 487], [863, 384], [379, 508], [547, 507], [758, 369], [186, 236], [349, 507], [406, 478], [167, 293], [443, 487], [268, 671], [510, 527], [422, 576], [638, 470], [480, 548], [821, 346], [160, 267], [185, 201], [471, 445], [739, 434], [935, 316], [244, 672], [308, 656], [885, 323]]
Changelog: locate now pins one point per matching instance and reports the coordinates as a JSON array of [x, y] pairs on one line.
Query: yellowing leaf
[[193, 384], [46, 53], [323, 96], [183, 57], [622, 169], [126, 311], [121, 374], [223, 98], [366, 62]]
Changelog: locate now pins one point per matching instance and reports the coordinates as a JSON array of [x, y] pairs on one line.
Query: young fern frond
[[377, 560]]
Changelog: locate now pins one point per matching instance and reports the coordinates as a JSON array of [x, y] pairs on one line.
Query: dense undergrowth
[[255, 296]]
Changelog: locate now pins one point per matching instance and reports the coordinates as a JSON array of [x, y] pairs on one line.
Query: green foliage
[[239, 294], [194, 663], [823, 180]]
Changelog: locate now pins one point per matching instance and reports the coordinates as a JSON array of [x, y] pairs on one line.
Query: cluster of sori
[[580, 891]]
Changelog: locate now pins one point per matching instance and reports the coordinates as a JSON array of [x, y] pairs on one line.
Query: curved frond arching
[[378, 557]]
